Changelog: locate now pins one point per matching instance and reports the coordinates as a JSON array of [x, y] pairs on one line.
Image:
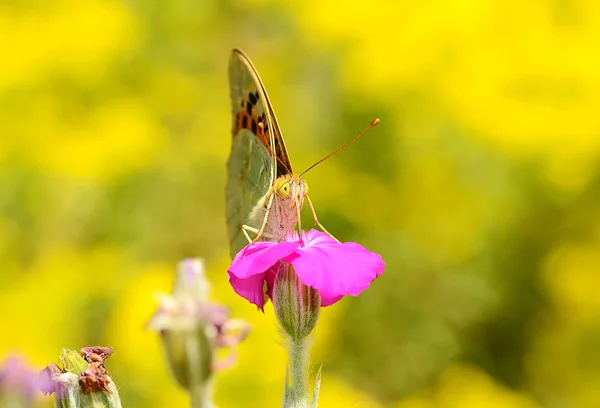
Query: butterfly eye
[[284, 190]]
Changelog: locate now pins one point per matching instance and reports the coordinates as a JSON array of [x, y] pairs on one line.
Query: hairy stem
[[296, 394]]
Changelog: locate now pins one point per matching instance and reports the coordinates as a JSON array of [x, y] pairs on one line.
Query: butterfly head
[[291, 188]]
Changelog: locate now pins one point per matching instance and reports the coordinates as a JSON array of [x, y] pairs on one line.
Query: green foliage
[[479, 187]]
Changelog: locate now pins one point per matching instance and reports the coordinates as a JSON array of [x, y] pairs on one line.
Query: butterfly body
[[288, 194]]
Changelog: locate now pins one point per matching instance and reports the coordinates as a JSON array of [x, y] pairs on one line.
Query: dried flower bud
[[96, 353], [81, 380]]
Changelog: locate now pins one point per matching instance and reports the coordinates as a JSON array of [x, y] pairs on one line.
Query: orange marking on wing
[[245, 120], [252, 123]]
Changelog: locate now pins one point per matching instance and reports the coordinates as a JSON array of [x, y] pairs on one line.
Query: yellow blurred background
[[480, 188]]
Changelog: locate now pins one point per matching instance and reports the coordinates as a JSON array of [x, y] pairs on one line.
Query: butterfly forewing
[[252, 165], [250, 101]]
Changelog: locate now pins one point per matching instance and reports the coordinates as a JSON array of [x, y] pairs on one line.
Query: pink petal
[[250, 288], [328, 301], [270, 279], [335, 269], [257, 257], [316, 238]]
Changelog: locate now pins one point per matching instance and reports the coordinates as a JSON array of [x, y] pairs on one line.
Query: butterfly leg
[[317, 223], [246, 228], [298, 215], [265, 219]]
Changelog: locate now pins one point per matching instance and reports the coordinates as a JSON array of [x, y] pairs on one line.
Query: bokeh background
[[480, 188]]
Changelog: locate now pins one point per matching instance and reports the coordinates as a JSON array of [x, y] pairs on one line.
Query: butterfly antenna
[[375, 122]]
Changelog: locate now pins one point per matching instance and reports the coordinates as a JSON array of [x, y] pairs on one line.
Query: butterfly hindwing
[[249, 178]]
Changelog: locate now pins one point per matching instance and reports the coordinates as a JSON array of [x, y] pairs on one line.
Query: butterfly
[[263, 196]]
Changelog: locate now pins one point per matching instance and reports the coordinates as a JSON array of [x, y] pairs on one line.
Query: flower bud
[[181, 328], [296, 305], [192, 329], [189, 355]]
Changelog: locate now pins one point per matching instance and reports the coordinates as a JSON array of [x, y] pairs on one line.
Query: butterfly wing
[[250, 100], [258, 154]]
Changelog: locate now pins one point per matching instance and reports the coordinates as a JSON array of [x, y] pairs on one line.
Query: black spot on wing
[[253, 98], [254, 126]]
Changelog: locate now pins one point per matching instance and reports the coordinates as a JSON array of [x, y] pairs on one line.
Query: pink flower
[[16, 376], [332, 268]]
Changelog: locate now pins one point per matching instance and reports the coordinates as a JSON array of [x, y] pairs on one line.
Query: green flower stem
[[296, 387], [297, 309], [198, 396], [199, 387]]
